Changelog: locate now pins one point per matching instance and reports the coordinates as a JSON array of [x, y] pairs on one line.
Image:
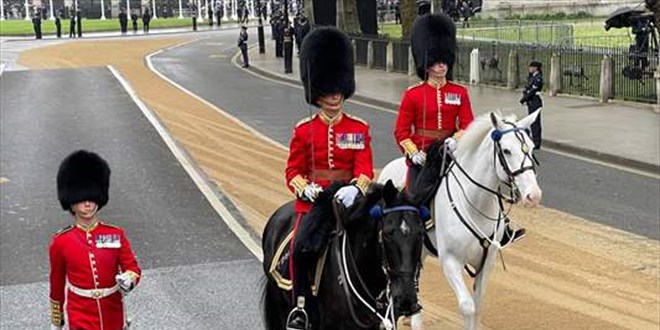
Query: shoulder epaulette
[[63, 230], [109, 225], [305, 120], [356, 118], [457, 84], [416, 85]]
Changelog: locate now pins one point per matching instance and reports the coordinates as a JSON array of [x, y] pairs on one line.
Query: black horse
[[378, 244]]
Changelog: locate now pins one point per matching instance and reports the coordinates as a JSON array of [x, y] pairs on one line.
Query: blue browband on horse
[[377, 212], [496, 135]]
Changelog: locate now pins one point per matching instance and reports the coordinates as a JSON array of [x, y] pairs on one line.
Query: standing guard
[[79, 22], [330, 146], [91, 262], [123, 21], [531, 97], [36, 23], [58, 23]]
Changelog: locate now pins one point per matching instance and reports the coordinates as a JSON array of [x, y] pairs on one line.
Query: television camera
[[643, 52]]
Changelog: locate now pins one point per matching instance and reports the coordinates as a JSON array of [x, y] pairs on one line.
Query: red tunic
[[89, 260], [342, 152], [412, 124]]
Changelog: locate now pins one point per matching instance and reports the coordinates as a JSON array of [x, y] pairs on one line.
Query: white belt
[[94, 293]]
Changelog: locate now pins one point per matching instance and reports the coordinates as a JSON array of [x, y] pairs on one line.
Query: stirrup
[[511, 236], [299, 309]]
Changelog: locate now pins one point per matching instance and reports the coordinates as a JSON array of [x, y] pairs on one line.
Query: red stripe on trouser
[[293, 239]]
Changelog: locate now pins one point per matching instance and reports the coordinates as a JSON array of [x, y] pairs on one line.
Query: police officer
[[193, 10], [327, 147], [242, 44], [91, 261], [134, 20], [209, 11], [36, 23], [72, 23], [79, 22], [146, 19], [434, 111], [123, 21], [58, 23], [532, 98], [219, 12]]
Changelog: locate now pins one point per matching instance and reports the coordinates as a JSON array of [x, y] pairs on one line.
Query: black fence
[[361, 46], [379, 47], [580, 66], [400, 51]]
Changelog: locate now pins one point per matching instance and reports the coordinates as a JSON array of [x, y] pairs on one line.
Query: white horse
[[468, 212]]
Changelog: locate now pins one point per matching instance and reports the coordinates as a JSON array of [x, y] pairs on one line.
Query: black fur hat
[[433, 40], [83, 176], [326, 64]]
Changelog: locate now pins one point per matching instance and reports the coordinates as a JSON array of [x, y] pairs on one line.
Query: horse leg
[[480, 283], [453, 272]]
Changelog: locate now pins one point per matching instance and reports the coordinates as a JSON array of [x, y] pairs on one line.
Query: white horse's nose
[[533, 198]]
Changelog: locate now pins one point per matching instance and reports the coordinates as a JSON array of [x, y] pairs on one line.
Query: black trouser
[[37, 29], [423, 181], [244, 52], [135, 26], [72, 29], [79, 22], [279, 49], [145, 27], [124, 27], [58, 30], [194, 23], [532, 105]]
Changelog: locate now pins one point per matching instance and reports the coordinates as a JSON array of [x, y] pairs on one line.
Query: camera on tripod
[[645, 47]]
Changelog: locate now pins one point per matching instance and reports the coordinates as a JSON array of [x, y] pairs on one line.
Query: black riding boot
[[300, 317], [511, 235]]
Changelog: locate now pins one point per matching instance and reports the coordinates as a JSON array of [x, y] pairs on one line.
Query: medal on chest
[[110, 241], [453, 98], [350, 141]]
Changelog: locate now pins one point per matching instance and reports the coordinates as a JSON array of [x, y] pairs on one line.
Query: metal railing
[[400, 53], [379, 47]]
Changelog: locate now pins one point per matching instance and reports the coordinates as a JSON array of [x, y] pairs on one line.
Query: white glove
[[311, 192], [125, 281], [450, 145], [419, 158], [346, 195], [55, 327]]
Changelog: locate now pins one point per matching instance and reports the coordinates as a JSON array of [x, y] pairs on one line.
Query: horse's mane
[[476, 133]]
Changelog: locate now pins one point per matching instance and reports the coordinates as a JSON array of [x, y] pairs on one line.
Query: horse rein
[[388, 320], [486, 241]]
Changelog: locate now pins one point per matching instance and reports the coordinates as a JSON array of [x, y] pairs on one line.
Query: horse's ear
[[389, 192], [527, 121], [496, 120]]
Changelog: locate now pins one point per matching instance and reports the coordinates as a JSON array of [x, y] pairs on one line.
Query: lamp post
[[200, 18], [288, 41], [102, 9], [128, 7], [52, 15], [180, 10], [27, 11], [154, 9], [2, 10], [260, 30]]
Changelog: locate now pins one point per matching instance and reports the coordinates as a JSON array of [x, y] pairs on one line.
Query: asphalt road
[[197, 274], [598, 193]]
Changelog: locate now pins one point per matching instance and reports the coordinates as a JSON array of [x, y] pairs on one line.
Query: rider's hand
[[311, 192], [418, 158], [346, 195], [450, 145], [125, 281]]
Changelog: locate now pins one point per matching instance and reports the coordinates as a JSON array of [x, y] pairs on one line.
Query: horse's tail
[[272, 315]]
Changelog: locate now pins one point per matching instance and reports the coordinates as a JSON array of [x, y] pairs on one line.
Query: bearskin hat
[[83, 176], [326, 64], [433, 40]]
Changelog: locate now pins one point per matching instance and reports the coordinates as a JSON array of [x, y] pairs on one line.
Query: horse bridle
[[347, 283], [498, 153]]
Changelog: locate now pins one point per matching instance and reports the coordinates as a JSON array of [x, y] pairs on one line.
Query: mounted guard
[[329, 146]]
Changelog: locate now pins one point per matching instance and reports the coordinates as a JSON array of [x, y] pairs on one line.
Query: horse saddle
[[279, 266]]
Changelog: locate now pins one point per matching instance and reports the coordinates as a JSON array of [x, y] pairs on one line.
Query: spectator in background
[[123, 21], [531, 97], [134, 20], [79, 22], [146, 18], [36, 23], [58, 23], [72, 23]]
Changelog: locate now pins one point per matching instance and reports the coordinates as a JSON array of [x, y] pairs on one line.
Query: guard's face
[[438, 70], [532, 69], [332, 102], [85, 209]]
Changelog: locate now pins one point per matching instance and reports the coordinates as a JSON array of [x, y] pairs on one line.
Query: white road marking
[[188, 164]]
